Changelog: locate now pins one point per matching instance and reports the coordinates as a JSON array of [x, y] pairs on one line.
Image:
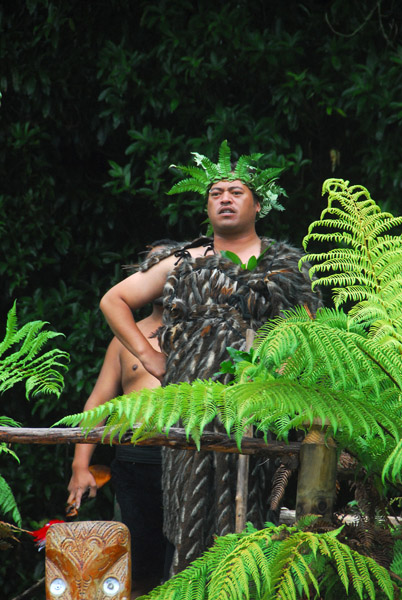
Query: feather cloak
[[209, 303]]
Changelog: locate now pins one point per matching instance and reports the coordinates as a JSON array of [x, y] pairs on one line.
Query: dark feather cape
[[209, 303]]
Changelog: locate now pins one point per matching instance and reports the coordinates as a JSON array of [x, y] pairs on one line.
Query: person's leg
[[139, 495]]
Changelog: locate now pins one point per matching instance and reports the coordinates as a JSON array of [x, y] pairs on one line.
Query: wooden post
[[242, 492], [243, 467], [316, 484]]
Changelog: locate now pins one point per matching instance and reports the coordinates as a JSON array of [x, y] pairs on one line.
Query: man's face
[[231, 207]]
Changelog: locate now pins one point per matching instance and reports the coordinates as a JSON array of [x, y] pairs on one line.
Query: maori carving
[[88, 559]]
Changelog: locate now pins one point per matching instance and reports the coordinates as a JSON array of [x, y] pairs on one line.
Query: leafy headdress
[[261, 181]]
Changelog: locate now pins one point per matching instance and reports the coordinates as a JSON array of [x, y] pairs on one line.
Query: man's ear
[[258, 206]]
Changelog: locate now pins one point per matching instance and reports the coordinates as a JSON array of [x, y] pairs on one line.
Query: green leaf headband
[[262, 182]]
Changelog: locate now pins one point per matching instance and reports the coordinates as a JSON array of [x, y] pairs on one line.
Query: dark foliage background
[[98, 99]]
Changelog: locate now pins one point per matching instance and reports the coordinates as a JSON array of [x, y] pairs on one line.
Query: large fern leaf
[[157, 409], [364, 267], [21, 358], [275, 563], [261, 404], [332, 348]]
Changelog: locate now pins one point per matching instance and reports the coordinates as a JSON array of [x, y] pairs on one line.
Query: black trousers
[[139, 495]]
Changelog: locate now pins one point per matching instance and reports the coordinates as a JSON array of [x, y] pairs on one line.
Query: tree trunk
[[316, 485]]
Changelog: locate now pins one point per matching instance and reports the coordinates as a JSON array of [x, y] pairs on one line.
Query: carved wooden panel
[[88, 560]]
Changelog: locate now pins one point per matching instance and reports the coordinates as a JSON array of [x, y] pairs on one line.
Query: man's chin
[[226, 221]]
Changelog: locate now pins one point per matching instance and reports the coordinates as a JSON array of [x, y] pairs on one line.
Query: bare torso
[[133, 375]]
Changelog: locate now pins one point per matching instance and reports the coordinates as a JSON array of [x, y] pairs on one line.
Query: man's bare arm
[[130, 294], [107, 386]]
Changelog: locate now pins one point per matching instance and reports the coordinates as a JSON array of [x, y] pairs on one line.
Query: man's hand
[[81, 481], [154, 362]]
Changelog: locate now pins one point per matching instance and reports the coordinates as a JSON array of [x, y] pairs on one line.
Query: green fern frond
[[8, 422], [348, 414], [243, 166], [11, 330], [224, 162], [158, 409], [240, 405], [352, 568], [332, 342], [274, 404], [393, 466], [7, 501], [396, 565], [214, 172], [193, 172], [279, 562], [192, 583], [4, 449], [251, 559], [41, 372], [354, 293], [187, 185], [366, 268], [305, 522], [202, 409]]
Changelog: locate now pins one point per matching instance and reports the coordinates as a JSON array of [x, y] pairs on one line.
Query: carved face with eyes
[[88, 560]]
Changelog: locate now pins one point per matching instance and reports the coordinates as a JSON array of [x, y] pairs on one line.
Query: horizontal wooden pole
[[218, 442]]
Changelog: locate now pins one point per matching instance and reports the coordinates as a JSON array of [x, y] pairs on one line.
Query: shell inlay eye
[[57, 587], [111, 586]]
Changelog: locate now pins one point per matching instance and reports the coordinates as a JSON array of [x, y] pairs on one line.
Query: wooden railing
[[213, 441]]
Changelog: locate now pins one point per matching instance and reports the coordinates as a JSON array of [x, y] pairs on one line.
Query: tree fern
[[276, 563], [331, 348], [365, 269], [22, 360]]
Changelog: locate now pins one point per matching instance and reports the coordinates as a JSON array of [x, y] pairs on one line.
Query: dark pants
[[139, 495]]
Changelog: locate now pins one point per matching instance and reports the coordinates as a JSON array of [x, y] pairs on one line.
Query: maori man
[[209, 303]]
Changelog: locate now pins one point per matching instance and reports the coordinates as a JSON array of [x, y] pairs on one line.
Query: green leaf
[[231, 256], [252, 263]]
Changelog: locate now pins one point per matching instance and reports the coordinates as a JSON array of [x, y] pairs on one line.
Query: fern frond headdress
[[261, 181]]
